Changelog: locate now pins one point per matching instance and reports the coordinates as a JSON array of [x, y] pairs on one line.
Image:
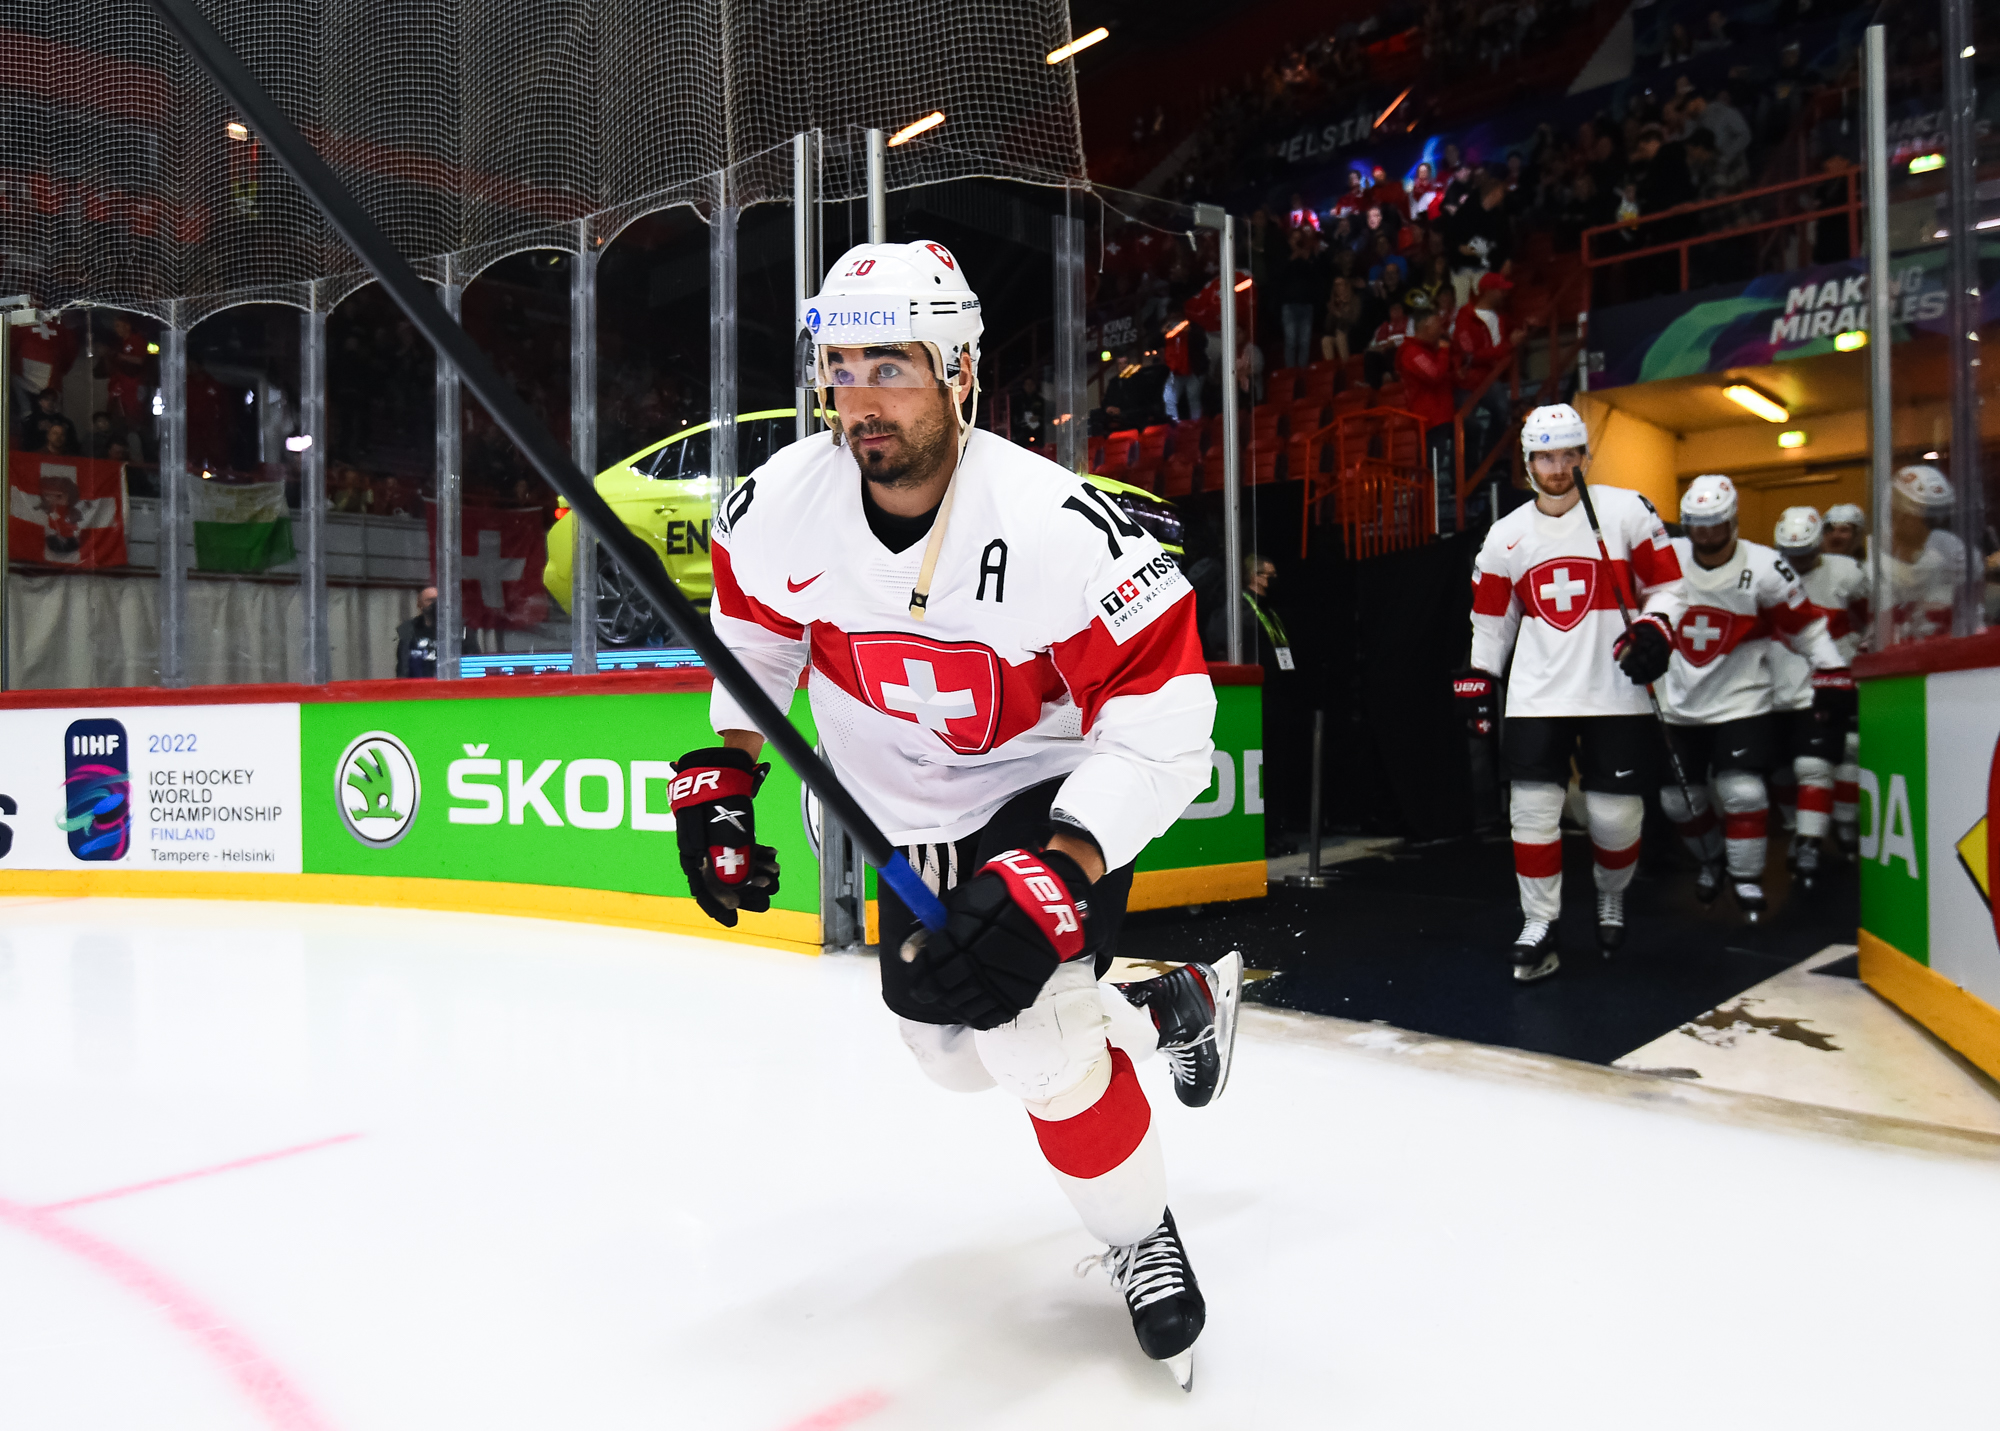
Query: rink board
[[545, 797], [1929, 799]]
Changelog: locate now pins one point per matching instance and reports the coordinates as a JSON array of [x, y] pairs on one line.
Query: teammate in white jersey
[[1924, 564], [1818, 752], [1846, 531], [1718, 692], [1006, 673], [1545, 614]]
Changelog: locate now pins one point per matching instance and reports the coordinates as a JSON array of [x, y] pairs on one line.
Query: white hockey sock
[[1697, 825], [1614, 837], [1815, 795], [1107, 1160], [1745, 820], [1535, 808], [1847, 784]]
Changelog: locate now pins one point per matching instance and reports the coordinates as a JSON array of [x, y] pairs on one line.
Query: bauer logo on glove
[[1007, 929], [715, 825]]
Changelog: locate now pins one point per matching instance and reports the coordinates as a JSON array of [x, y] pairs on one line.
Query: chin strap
[[920, 594]]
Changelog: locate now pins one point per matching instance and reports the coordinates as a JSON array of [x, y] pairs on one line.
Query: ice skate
[[1535, 952], [1805, 861], [1610, 920], [1159, 1287], [1708, 882], [1194, 1008], [1849, 840], [1749, 898]]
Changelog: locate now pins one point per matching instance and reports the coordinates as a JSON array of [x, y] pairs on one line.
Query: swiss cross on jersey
[[1561, 590], [953, 691], [1707, 632]]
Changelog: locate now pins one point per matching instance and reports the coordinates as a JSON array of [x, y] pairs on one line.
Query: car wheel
[[624, 616]]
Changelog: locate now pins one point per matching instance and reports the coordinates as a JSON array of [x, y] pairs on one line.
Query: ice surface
[[604, 1179]]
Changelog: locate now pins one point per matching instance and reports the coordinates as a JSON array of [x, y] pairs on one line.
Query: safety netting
[[471, 129]]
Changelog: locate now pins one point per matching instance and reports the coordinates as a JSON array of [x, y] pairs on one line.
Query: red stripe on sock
[[1538, 861], [1846, 791], [1102, 1136], [1816, 797], [1747, 826], [1615, 859]]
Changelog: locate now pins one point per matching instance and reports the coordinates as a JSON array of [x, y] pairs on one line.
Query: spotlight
[[1925, 163], [236, 131], [1849, 341], [1795, 438], [911, 131], [300, 443], [1747, 397], [1081, 42]]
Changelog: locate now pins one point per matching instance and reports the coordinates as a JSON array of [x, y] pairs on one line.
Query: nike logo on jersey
[[1738, 754], [1620, 774], [1515, 543], [795, 587]]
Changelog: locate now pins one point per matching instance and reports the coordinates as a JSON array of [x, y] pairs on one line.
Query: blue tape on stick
[[915, 894]]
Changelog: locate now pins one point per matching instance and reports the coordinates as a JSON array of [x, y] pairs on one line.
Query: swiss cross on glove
[[716, 827], [1480, 693], [1006, 931]]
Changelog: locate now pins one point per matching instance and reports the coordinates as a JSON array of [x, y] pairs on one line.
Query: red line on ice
[[842, 1413], [209, 1172], [282, 1404]]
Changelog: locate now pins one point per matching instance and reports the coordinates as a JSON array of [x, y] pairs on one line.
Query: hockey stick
[[640, 562], [1625, 615]]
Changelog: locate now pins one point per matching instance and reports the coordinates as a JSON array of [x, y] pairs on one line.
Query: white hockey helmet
[[1799, 530], [1551, 429], [1709, 501], [1846, 514], [883, 294], [1924, 487]]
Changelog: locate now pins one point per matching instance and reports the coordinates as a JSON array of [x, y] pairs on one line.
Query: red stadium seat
[[1305, 455], [1307, 416], [1283, 385], [1267, 426], [1354, 370], [1154, 444], [1178, 476], [1118, 449], [1322, 382], [1264, 469], [1391, 395], [1353, 399]]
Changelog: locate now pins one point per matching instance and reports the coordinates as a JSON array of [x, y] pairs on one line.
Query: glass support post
[[6, 481], [1068, 418], [1881, 436], [878, 187], [722, 340], [806, 264], [1212, 216], [450, 537], [316, 652], [173, 502], [1961, 101], [583, 444]]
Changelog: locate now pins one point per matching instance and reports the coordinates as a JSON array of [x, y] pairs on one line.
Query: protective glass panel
[[82, 502]]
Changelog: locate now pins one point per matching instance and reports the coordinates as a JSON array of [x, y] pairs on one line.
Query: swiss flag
[[1708, 632], [951, 690], [1561, 590], [69, 511], [502, 553]]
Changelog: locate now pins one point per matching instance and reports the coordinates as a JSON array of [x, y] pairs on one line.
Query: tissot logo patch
[[1131, 602], [952, 691]]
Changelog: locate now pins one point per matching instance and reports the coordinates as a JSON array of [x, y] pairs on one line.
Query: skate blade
[[1182, 1367], [1228, 995], [1530, 973]]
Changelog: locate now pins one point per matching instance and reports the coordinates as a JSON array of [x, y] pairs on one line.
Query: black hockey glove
[[1007, 929], [1478, 695], [1644, 651], [1835, 701], [726, 868]]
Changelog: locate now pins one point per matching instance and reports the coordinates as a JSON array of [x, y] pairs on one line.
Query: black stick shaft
[[453, 346], [1625, 615]]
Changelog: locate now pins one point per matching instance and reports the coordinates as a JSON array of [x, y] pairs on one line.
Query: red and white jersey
[[1059, 640], [1721, 668], [1838, 586], [1541, 594]]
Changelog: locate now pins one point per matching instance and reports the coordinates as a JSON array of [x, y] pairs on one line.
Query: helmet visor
[[896, 366]]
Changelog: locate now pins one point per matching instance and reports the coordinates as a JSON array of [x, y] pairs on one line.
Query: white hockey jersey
[[1721, 669], [1838, 586], [1059, 640], [1542, 595], [1921, 592]]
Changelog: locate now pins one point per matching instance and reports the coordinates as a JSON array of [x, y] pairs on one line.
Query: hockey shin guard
[[1815, 795], [1614, 836], [1745, 813], [1846, 788], [1106, 1157], [1696, 826], [1535, 810]]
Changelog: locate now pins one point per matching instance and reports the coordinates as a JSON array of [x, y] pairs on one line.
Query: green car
[[662, 493]]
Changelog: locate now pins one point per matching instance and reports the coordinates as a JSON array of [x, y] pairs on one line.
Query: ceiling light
[[1794, 438], [1924, 163], [1176, 329], [153, 348], [1849, 341], [911, 131], [300, 443], [1104, 355], [1244, 284], [1930, 457], [1081, 42], [1390, 110], [1747, 397], [236, 131]]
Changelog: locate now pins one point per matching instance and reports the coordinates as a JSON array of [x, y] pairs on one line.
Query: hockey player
[[1545, 599], [1822, 753], [1718, 695], [1924, 564], [1846, 531], [1006, 672]]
